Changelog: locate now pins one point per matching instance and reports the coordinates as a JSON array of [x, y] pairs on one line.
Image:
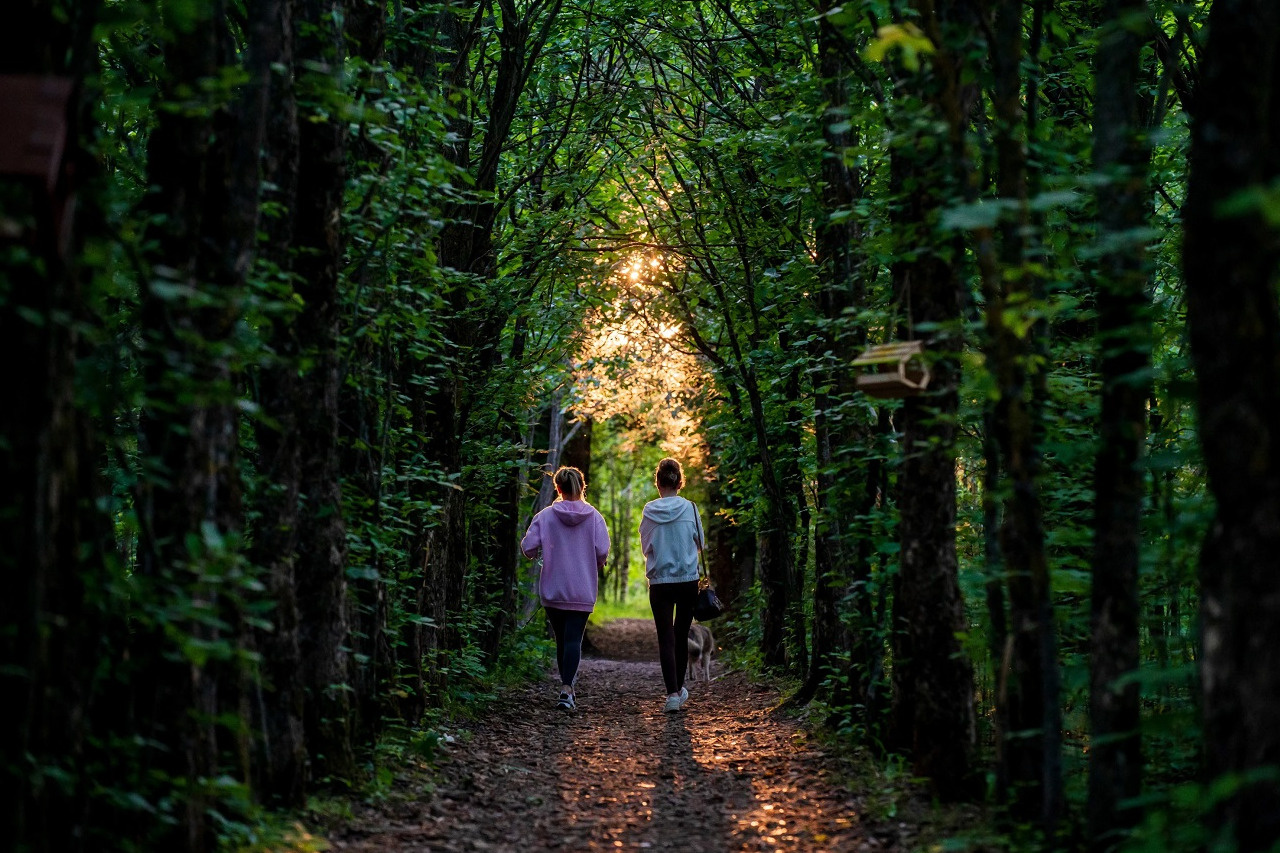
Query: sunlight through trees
[[302, 301]]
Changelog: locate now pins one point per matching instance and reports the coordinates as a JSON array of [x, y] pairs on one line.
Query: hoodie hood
[[667, 510], [572, 513]]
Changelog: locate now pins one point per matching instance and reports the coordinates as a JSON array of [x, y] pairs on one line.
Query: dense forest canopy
[[302, 299]]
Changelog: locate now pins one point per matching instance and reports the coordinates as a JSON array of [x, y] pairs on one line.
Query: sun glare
[[633, 366]]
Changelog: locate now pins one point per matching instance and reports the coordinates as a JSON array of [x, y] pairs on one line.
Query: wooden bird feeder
[[33, 143], [893, 370], [34, 108]]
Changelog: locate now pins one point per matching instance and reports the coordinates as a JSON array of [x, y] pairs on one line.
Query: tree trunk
[[731, 555], [1230, 259], [466, 249], [1124, 332], [204, 173], [280, 771], [577, 448], [837, 438], [999, 644], [932, 712], [320, 572], [365, 422], [774, 557], [1030, 717], [52, 536]]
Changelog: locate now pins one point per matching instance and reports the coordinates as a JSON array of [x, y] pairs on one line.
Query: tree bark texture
[[51, 534], [204, 173], [1124, 332], [932, 716], [835, 426], [281, 767], [774, 557], [320, 573], [1230, 259], [1028, 682], [577, 448]]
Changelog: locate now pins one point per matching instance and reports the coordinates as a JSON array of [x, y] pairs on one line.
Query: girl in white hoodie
[[670, 538]]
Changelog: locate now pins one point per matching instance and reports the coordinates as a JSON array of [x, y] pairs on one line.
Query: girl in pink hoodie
[[575, 544]]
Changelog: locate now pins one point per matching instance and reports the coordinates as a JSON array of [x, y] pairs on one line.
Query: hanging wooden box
[[893, 370], [34, 112]]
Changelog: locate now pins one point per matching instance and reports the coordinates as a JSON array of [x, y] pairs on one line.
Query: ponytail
[[570, 483]]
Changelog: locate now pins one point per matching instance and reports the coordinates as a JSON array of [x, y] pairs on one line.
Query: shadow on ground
[[618, 774]]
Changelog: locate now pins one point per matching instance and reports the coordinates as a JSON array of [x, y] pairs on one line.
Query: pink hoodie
[[574, 543]]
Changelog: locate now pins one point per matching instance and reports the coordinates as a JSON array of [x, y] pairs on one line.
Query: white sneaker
[[684, 696], [673, 703]]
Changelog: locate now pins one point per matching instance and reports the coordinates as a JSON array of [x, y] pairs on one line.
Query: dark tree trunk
[[932, 711], [280, 769], [836, 429], [993, 588], [204, 173], [577, 450], [797, 519], [365, 409], [932, 717], [1030, 716], [366, 423], [436, 553], [51, 534], [466, 248], [731, 553], [320, 572], [1230, 259], [503, 568], [782, 638], [1124, 332]]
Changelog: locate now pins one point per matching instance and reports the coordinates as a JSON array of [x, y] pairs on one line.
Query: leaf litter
[[725, 773]]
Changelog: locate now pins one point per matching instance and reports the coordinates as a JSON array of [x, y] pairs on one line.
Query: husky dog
[[701, 646]]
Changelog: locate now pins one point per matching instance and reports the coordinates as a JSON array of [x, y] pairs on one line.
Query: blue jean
[[568, 626]]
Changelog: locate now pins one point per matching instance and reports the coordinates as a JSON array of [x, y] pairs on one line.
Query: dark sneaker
[[565, 702]]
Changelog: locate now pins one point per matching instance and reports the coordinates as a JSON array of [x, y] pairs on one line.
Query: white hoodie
[[670, 539]]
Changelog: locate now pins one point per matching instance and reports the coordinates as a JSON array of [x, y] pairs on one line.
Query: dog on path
[[701, 647]]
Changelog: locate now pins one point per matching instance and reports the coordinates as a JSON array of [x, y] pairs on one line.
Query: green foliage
[[694, 139], [1179, 818]]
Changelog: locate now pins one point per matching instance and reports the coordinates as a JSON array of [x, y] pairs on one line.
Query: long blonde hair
[[570, 483]]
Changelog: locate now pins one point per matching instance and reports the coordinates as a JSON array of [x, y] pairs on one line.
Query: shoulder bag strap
[[702, 556]]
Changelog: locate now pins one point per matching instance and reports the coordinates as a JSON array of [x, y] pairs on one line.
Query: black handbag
[[708, 605]]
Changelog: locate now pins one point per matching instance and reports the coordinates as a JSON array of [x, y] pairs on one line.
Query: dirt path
[[722, 774]]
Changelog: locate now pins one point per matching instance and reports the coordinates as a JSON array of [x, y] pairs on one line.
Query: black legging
[[673, 635], [568, 626]]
